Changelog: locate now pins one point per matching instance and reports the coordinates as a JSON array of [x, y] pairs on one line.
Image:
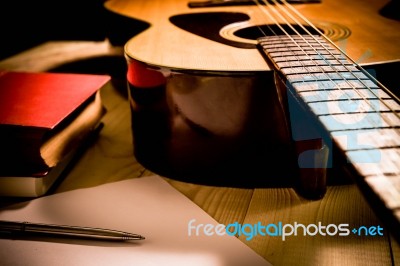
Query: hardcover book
[[44, 119]]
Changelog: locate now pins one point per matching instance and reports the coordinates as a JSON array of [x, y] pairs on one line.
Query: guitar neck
[[357, 114]]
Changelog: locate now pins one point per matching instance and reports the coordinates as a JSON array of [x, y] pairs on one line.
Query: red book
[[44, 117]]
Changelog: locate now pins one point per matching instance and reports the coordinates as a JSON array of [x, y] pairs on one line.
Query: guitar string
[[367, 87], [376, 171], [263, 33], [322, 70], [349, 58], [371, 106], [310, 56], [339, 49], [322, 57], [338, 72], [335, 58]]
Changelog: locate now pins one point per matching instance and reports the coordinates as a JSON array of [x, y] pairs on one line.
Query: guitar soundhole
[[231, 28], [255, 32], [333, 31]]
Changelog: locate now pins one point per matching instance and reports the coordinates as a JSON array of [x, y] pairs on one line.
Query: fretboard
[[359, 115]]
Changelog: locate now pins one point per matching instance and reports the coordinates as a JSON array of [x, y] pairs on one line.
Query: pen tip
[[135, 237]]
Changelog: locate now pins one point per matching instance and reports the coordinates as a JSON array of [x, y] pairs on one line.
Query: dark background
[[25, 24]]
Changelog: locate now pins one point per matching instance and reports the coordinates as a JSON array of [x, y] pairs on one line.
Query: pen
[[14, 228]]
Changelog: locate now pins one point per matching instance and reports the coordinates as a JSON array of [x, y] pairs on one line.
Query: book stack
[[45, 121]]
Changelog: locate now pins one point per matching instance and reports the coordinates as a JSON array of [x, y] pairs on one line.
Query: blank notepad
[[147, 206]]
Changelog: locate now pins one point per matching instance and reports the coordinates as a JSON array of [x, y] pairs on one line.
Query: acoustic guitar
[[268, 93]]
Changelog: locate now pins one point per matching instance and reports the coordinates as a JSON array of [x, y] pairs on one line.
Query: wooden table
[[111, 159]]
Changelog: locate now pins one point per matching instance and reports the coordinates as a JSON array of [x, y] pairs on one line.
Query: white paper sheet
[[148, 206]]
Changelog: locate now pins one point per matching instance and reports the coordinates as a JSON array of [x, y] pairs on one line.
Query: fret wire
[[335, 58], [292, 41], [378, 171], [322, 45], [352, 84], [298, 34], [334, 45], [322, 68], [298, 23]]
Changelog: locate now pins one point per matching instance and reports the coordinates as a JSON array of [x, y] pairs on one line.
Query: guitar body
[[207, 107], [373, 38]]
